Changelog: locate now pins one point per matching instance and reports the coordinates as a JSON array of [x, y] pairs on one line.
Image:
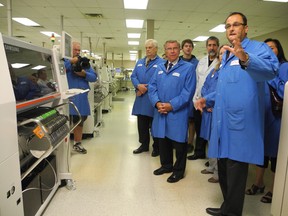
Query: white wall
[[280, 35]]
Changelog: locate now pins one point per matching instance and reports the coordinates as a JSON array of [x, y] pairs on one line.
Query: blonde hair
[[171, 41], [217, 66]]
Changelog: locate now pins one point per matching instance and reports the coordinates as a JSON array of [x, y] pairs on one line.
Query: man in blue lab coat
[[79, 78], [142, 108], [238, 115], [170, 91]]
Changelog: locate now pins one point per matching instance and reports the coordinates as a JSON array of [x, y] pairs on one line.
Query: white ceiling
[[178, 20]]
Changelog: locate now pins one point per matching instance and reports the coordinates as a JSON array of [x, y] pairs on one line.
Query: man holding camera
[[79, 77]]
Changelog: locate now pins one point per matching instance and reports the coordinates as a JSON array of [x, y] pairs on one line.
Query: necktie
[[170, 66], [147, 63]]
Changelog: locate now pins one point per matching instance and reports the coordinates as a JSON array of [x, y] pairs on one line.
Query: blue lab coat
[[176, 87], [209, 87], [238, 115], [74, 81], [273, 123], [25, 89], [142, 75], [194, 61]]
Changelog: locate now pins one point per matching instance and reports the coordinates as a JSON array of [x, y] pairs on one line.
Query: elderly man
[[170, 92], [79, 79], [142, 108]]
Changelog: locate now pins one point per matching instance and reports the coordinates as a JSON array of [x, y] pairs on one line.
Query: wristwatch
[[244, 64]]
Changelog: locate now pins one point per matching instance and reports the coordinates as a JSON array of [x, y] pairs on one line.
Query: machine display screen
[[31, 71]]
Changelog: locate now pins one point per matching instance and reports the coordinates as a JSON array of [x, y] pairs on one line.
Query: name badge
[[234, 62], [139, 65], [176, 74], [160, 72]]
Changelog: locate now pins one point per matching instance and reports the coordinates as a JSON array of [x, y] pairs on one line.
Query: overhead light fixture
[[133, 57], [85, 51], [49, 33], [201, 38], [19, 65], [25, 21], [135, 4], [133, 35], [283, 1], [38, 67], [218, 28], [133, 51], [1, 5], [134, 23], [133, 42]]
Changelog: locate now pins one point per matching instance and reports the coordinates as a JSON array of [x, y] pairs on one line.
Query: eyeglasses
[[236, 24], [172, 48]]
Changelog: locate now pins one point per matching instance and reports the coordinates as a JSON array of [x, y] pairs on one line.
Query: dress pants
[[232, 178], [200, 144], [144, 124], [166, 146]]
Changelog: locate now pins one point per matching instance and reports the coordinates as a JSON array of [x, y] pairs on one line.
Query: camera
[[82, 64]]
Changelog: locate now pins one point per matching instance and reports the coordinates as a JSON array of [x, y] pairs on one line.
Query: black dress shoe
[[161, 171], [195, 157], [155, 153], [174, 178], [140, 150], [190, 148], [214, 211]]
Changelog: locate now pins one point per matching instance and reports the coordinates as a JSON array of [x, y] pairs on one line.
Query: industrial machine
[[35, 131]]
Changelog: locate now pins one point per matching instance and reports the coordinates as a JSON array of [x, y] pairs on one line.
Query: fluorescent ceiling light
[[134, 23], [133, 57], [19, 65], [219, 28], [133, 42], [49, 34], [38, 67], [25, 21], [1, 5], [201, 38], [133, 35], [135, 4], [133, 51], [85, 51], [277, 0]]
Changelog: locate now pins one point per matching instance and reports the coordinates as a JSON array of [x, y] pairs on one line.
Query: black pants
[[144, 124], [200, 145], [166, 146], [232, 179]]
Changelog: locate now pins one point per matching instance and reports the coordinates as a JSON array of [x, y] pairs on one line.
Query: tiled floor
[[111, 181]]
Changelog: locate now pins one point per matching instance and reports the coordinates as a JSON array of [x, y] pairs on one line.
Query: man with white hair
[[142, 108]]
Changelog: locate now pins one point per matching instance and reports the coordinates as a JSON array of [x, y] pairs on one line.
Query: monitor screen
[[66, 45], [118, 70], [31, 70]]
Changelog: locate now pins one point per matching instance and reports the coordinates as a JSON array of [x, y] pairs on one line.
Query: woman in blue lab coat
[[272, 124], [209, 87]]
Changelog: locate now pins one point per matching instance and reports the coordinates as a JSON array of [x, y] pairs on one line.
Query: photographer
[[79, 74]]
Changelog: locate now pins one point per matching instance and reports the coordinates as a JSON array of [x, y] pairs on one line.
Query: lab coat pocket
[[233, 75], [235, 118]]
